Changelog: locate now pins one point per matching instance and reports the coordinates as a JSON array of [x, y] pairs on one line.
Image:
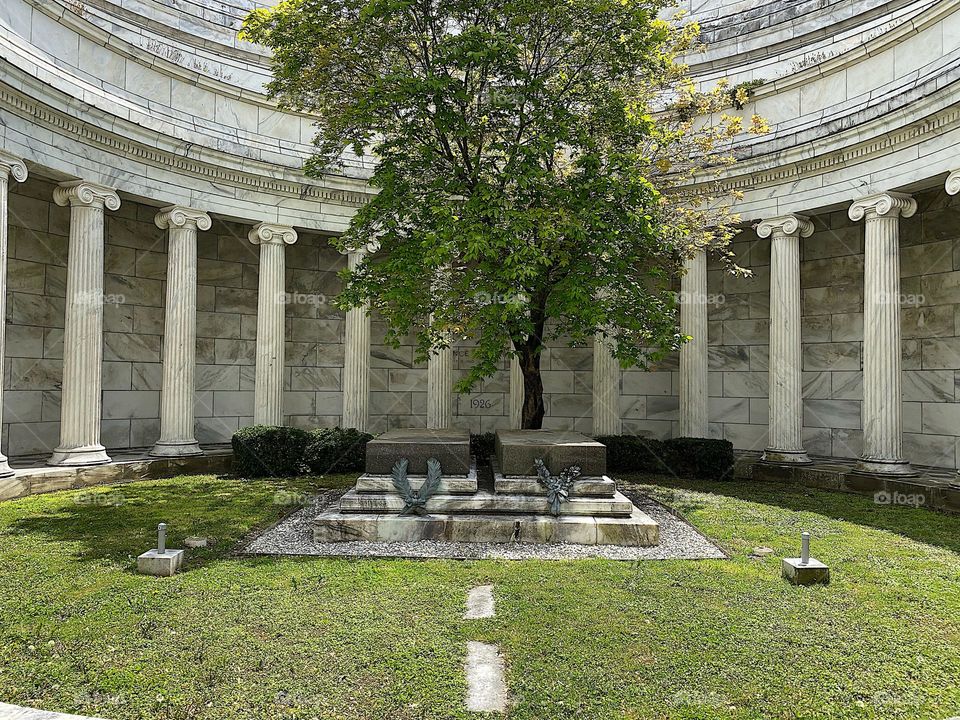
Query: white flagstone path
[[486, 677]]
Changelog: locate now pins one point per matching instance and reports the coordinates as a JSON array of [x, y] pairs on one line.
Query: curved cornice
[[189, 39], [89, 30], [885, 41], [799, 162], [740, 58], [216, 167]]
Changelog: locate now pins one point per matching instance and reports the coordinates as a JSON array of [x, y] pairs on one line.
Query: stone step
[[601, 487], [636, 530], [451, 485], [487, 502]]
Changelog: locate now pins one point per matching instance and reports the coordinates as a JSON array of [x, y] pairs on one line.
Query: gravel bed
[[292, 536]]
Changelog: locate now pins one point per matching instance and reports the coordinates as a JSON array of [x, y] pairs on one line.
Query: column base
[[876, 466], [78, 456], [5, 469], [773, 456], [174, 448]]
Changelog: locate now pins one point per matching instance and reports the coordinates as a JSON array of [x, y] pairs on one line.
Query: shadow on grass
[[119, 522], [922, 525]]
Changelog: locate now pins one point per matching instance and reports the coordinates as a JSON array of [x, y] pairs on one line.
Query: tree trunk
[[533, 409]]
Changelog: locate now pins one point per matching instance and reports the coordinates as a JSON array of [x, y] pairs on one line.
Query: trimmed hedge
[[337, 450], [689, 457], [268, 451], [700, 457]]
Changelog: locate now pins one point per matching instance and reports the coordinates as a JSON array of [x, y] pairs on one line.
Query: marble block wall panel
[[738, 311], [36, 283]]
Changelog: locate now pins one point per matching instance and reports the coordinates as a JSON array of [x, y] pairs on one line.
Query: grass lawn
[[237, 637]]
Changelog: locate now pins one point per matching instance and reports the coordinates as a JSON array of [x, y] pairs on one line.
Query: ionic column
[[953, 183], [882, 400], [271, 303], [9, 165], [516, 394], [356, 360], [785, 396], [440, 389], [606, 388], [179, 332], [694, 420], [80, 402]]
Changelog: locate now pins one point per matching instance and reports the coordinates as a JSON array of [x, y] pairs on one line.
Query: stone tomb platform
[[514, 509], [516, 451], [450, 447]]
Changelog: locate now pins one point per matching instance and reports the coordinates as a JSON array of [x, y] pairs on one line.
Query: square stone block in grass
[[812, 572], [160, 564], [517, 450], [450, 447]]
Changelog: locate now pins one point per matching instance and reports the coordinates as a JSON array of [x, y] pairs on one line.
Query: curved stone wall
[[861, 97], [167, 105], [163, 102]]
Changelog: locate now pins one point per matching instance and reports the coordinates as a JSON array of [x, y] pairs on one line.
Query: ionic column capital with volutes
[[177, 216], [269, 234], [787, 225], [12, 166], [952, 185], [888, 204], [81, 193]]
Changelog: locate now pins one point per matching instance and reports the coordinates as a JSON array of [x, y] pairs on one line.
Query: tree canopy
[[539, 166]]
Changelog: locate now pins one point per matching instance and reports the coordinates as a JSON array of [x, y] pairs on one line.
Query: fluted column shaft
[[271, 305], [179, 332], [356, 361], [440, 390], [786, 390], [516, 394], [606, 388], [882, 399], [694, 418], [9, 165], [80, 404]]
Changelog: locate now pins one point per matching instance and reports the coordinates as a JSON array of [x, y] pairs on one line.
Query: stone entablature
[[187, 100]]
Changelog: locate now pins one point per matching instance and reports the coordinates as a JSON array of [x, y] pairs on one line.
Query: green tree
[[539, 166]]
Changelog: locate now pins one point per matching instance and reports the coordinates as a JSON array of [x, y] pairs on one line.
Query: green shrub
[[686, 457], [700, 457], [337, 450], [267, 451], [630, 453], [483, 445]]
